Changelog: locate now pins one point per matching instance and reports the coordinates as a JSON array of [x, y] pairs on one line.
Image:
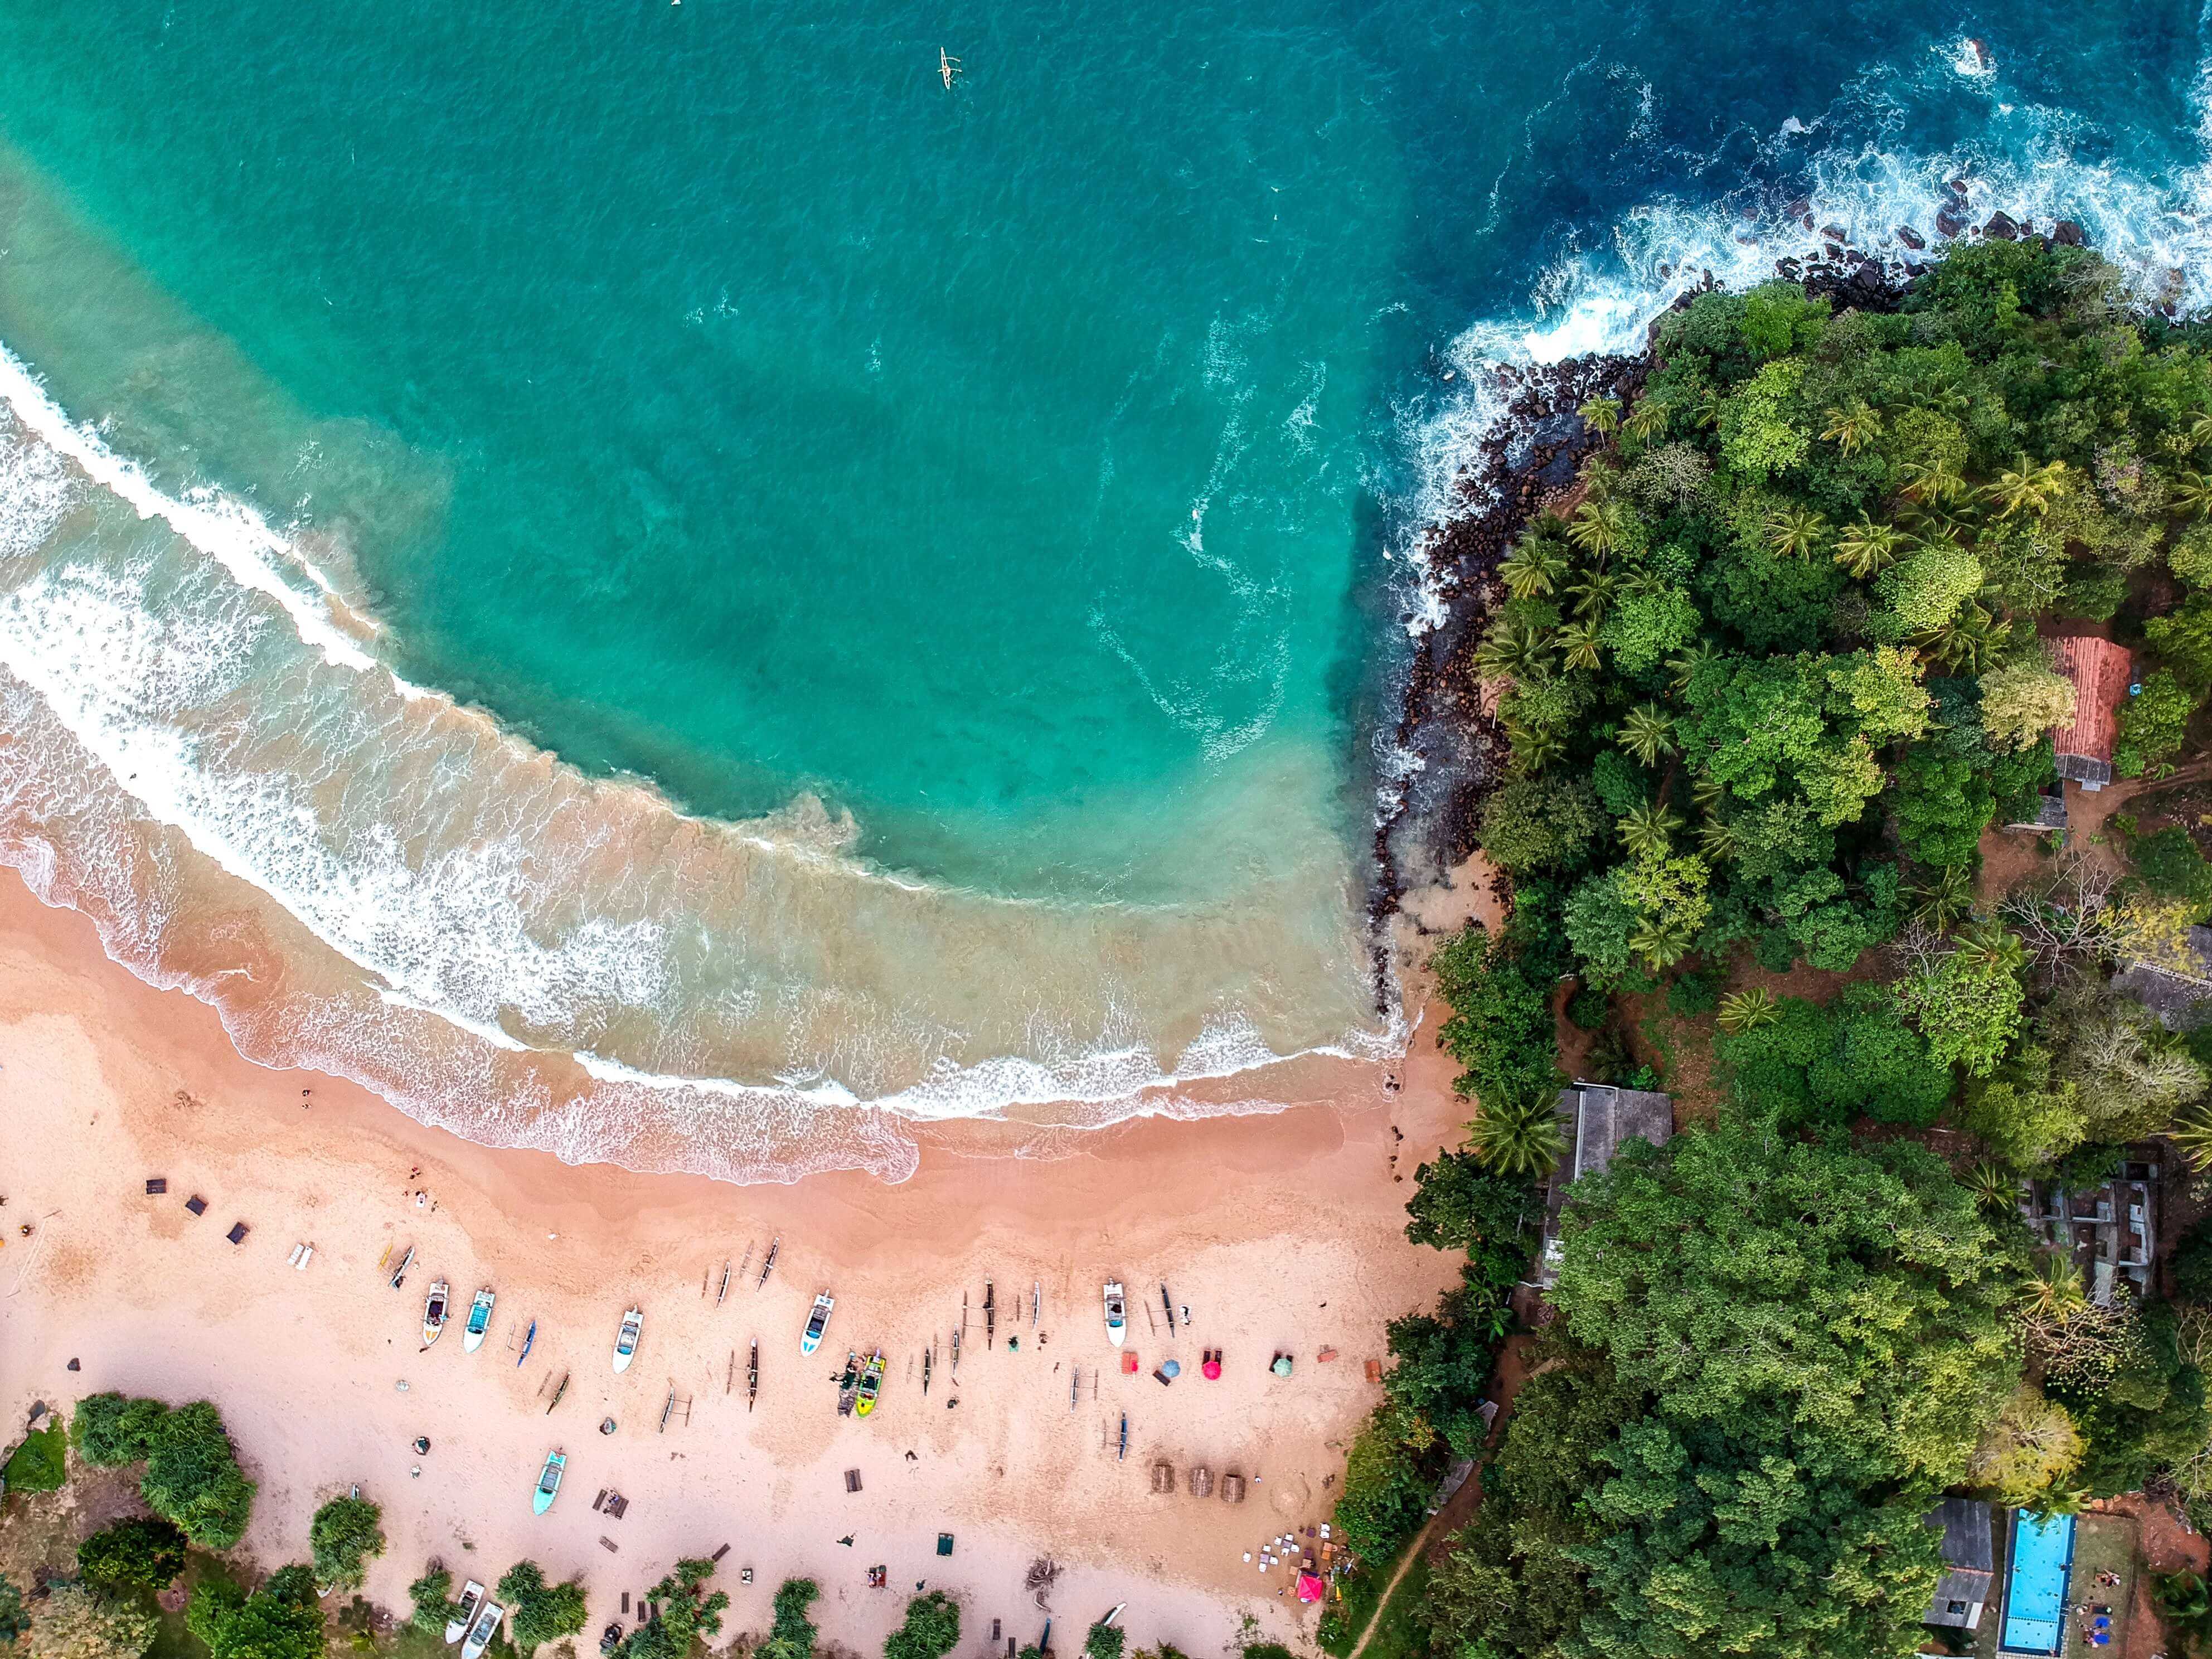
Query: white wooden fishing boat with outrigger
[[1117, 1312], [633, 1327], [549, 1482], [472, 1333], [435, 1309], [481, 1633], [473, 1595], [816, 1322]]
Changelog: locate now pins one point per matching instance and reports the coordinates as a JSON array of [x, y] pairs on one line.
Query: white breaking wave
[[331, 785]]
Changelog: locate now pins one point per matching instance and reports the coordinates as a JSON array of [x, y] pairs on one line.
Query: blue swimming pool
[[2035, 1589]]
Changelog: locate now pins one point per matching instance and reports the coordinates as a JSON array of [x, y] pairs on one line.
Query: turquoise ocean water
[[955, 541]]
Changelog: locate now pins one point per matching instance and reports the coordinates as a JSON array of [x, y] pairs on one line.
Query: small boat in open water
[[549, 1482], [434, 1311], [472, 1333]]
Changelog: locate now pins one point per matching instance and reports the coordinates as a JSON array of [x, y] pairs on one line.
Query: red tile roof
[[2100, 671]]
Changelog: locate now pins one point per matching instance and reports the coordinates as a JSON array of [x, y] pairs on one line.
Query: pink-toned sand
[[1281, 1231]]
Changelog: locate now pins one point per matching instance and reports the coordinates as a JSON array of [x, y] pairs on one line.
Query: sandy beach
[[1281, 1231]]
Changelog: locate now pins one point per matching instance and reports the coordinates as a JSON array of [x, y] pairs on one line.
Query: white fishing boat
[[472, 1333], [435, 1309], [1117, 1312], [481, 1633], [465, 1611], [633, 1325], [816, 1322]]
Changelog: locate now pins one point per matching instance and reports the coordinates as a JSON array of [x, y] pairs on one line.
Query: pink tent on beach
[[1309, 1587]]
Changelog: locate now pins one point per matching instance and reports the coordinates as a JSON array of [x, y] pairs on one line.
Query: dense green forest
[[1769, 674]]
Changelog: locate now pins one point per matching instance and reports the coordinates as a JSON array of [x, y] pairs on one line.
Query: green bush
[[1696, 994], [41, 1463], [130, 1555], [542, 1613], [2192, 1263], [931, 1629], [14, 1621], [433, 1597], [1104, 1642], [2153, 725], [283, 1620], [793, 1634], [112, 1430], [344, 1535], [2169, 863]]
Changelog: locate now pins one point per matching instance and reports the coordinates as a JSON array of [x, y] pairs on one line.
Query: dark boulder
[[1835, 233], [2002, 226], [1949, 222], [2067, 233], [1912, 237]]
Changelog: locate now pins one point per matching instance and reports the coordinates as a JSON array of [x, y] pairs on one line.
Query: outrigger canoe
[[472, 1333], [528, 1338], [549, 1482], [633, 1326], [872, 1383], [1117, 1313], [816, 1322], [472, 1594], [433, 1312]]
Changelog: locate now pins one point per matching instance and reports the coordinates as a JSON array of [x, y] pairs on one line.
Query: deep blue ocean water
[[1024, 471]]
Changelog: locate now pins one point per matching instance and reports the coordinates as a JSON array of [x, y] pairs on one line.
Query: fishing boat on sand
[[1117, 1312], [549, 1482], [399, 1272], [435, 1310], [464, 1612], [752, 1376], [481, 1633], [633, 1326], [872, 1383], [816, 1322], [529, 1337], [472, 1333]]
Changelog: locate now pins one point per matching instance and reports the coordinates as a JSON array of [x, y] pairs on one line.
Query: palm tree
[[1853, 429], [1706, 791], [1795, 532], [1516, 651], [1965, 641], [1600, 527], [2192, 1132], [1648, 829], [1934, 482], [2052, 1288], [1993, 1187], [2192, 495], [1866, 548], [1518, 1134], [1602, 415], [1647, 734], [2028, 487], [1579, 640], [1594, 593], [1747, 1011], [1717, 839], [1535, 748], [1687, 663], [2200, 431], [1992, 945], [1648, 421], [1661, 944], [1534, 568], [1945, 897]]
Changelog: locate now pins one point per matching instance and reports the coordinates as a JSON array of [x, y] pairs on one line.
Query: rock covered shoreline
[[1448, 749]]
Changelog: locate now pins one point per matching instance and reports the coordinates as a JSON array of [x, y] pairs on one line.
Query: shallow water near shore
[[666, 586]]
